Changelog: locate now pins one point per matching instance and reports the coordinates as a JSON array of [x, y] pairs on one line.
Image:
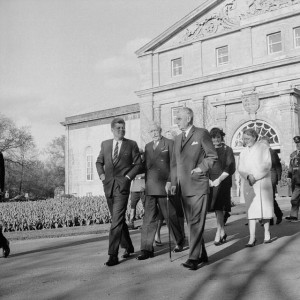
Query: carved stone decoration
[[250, 102], [258, 7], [229, 17]]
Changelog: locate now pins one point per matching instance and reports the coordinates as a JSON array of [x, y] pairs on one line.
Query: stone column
[[199, 110], [146, 116]]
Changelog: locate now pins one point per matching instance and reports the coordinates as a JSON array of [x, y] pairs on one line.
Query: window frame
[[176, 68], [269, 45], [218, 56], [296, 38], [89, 165], [173, 116]]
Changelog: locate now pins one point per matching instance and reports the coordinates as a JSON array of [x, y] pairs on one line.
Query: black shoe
[[191, 264], [268, 241], [203, 259], [127, 252], [291, 218], [112, 261], [223, 238], [252, 244], [218, 243], [279, 220], [145, 255], [178, 248]]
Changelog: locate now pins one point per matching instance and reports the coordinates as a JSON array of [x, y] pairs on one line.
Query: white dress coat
[[256, 160]]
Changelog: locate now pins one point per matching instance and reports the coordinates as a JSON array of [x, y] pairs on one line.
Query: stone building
[[84, 134], [235, 63]]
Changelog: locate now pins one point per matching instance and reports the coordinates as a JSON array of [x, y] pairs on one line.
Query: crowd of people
[[55, 213]]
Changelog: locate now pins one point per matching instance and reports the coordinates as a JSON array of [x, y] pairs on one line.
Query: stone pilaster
[[146, 116]]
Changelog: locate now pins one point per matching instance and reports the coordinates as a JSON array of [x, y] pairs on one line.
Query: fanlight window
[[262, 128]]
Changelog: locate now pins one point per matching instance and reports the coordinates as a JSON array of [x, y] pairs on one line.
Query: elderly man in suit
[[194, 154], [118, 163], [158, 155]]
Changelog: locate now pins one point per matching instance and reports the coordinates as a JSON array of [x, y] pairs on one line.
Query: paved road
[[72, 268]]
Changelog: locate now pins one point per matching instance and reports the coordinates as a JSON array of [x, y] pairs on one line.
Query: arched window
[[262, 128], [89, 164]]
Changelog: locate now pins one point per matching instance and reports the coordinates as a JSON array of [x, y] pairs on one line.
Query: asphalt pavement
[[73, 267]]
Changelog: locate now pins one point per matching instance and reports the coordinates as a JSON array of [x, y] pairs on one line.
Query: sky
[[61, 58]]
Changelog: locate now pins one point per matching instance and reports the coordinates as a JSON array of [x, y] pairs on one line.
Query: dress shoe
[[178, 248], [252, 244], [279, 220], [223, 238], [291, 219], [145, 255], [127, 252], [112, 261], [203, 259], [268, 241], [191, 264], [218, 243]]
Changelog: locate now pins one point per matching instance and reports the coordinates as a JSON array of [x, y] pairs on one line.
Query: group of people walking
[[195, 171]]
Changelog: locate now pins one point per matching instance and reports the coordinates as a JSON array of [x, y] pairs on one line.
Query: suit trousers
[[151, 219], [295, 201], [277, 211], [195, 209], [118, 233]]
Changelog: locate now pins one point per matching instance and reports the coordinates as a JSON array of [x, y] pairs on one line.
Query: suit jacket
[[128, 163], [276, 168], [2, 172], [157, 165], [197, 151]]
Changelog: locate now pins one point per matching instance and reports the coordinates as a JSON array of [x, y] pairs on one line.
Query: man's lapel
[[159, 147]]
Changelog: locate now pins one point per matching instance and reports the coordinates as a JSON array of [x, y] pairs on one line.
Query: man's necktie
[[155, 145], [183, 137], [115, 157]]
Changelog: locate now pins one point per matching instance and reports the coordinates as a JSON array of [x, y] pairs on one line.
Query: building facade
[[84, 135], [235, 63]]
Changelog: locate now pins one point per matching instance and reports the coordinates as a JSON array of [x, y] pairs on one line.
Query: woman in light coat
[[256, 188]]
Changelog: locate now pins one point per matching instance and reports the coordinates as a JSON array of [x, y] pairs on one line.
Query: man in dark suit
[[2, 175], [118, 163], [4, 243], [158, 155], [276, 171], [194, 154]]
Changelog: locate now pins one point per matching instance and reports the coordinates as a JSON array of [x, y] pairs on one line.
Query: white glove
[[216, 182], [210, 183]]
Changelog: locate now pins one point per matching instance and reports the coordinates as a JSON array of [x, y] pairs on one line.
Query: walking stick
[[168, 209]]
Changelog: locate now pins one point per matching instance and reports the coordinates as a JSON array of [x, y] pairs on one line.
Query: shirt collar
[[188, 130]]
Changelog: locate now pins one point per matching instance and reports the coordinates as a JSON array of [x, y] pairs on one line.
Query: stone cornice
[[220, 76], [102, 114], [226, 101]]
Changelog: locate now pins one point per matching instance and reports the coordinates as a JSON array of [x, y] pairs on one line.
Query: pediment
[[213, 18]]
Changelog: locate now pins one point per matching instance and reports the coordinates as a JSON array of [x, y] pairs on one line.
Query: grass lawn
[[58, 232]]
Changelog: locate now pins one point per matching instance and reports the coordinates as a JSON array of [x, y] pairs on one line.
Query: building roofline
[[178, 26], [102, 114]]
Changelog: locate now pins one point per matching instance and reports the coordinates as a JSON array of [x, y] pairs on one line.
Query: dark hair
[[251, 132], [217, 131], [117, 121]]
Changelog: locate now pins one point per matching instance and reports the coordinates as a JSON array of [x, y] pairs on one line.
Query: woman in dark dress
[[221, 182]]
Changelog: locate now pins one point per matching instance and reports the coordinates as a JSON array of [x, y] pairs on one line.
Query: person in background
[[294, 180], [4, 243], [256, 188], [221, 182], [276, 171], [137, 193]]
